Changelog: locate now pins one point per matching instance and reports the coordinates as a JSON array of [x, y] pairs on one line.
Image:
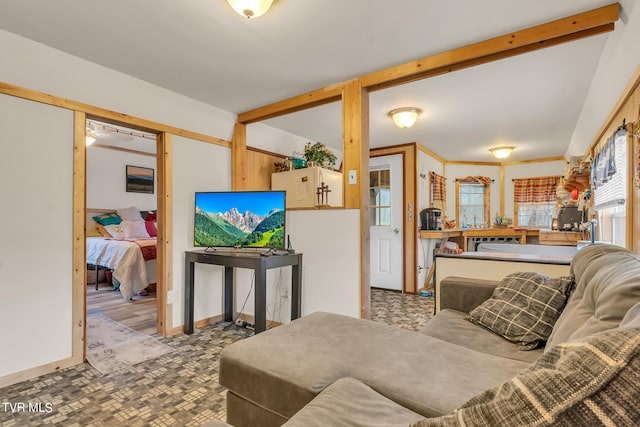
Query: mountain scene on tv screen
[[233, 228]]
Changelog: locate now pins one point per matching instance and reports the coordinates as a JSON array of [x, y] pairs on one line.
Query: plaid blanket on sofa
[[589, 383]]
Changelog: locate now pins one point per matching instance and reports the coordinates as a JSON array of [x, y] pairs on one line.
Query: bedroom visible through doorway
[[121, 225]]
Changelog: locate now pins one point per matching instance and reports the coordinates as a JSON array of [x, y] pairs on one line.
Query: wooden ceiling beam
[[562, 30], [586, 24], [315, 98], [435, 71]]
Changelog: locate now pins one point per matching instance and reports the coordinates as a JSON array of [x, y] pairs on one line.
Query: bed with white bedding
[[127, 246], [133, 261]]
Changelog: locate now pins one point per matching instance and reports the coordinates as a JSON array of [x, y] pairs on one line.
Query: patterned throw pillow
[[524, 307], [108, 218]]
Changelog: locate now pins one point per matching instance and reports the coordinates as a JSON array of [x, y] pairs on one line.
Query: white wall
[[197, 166], [527, 171], [278, 141], [106, 180], [424, 253], [35, 66], [36, 183], [619, 60]]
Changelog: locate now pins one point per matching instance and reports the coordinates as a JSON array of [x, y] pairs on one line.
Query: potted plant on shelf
[[319, 155]]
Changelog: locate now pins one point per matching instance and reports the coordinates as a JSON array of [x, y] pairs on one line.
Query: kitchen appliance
[[430, 219], [569, 218]]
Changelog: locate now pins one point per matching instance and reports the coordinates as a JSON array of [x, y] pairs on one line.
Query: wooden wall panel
[[260, 166]]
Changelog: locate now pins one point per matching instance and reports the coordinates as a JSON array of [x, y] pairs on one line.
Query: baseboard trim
[[38, 371]]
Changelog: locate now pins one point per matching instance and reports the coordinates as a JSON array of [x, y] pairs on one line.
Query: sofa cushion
[[592, 382], [607, 285], [452, 326], [523, 308], [295, 362], [350, 403]]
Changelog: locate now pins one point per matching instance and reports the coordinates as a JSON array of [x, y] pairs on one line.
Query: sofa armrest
[[464, 293]]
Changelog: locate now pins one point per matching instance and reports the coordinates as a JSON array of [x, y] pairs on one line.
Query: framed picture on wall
[[140, 180]]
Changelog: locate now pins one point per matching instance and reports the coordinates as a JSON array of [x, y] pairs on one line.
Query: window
[[535, 200], [380, 197], [609, 181], [472, 203], [535, 214]]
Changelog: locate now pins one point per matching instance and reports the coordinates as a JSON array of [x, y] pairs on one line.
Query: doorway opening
[[121, 222]]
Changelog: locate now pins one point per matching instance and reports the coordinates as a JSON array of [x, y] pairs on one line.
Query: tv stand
[[240, 259]]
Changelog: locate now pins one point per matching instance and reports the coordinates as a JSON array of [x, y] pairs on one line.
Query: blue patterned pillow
[[108, 218]]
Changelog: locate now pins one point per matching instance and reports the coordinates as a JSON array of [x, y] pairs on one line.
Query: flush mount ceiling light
[[502, 152], [405, 117], [251, 8]]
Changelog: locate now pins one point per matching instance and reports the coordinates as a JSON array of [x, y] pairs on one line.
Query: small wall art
[[140, 180]]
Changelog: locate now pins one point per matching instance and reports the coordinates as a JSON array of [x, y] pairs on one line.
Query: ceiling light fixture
[[502, 152], [405, 117], [251, 8]]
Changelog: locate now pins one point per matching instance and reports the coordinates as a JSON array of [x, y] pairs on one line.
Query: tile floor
[[179, 389]]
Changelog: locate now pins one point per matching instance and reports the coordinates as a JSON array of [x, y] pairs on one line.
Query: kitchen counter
[[460, 235]]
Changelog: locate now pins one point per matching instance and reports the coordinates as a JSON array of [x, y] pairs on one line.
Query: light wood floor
[[139, 314]]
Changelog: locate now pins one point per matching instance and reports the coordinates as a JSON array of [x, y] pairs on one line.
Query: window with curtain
[[438, 192], [609, 184], [535, 200], [472, 201]]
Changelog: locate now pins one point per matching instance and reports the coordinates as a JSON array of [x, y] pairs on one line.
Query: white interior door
[[386, 221]]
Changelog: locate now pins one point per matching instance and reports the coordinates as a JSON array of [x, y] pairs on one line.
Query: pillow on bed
[[108, 218], [149, 215], [93, 231], [130, 214], [102, 231], [135, 230], [115, 230], [151, 228]]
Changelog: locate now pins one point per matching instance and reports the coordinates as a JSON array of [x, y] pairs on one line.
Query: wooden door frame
[[409, 202], [163, 207]]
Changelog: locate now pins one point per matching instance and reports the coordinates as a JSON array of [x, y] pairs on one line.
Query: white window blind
[[614, 191]]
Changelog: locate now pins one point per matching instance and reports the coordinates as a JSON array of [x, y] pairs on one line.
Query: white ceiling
[[204, 50]]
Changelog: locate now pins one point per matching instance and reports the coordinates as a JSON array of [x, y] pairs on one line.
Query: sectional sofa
[[328, 369]]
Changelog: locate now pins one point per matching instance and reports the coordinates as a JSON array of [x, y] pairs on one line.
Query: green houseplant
[[318, 154]]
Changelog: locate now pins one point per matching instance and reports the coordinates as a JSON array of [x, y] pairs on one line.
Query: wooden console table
[[251, 260]]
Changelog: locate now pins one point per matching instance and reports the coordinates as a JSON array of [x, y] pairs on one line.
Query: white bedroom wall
[[106, 181], [36, 187]]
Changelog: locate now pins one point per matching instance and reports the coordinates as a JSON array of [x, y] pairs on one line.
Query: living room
[[330, 240]]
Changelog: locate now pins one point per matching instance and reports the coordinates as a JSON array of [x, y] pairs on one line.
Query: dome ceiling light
[[502, 152], [405, 117], [251, 8]]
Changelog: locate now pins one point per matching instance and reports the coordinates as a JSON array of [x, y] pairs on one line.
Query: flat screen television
[[240, 219]]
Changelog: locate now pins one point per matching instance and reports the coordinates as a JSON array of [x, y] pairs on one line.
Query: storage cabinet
[[302, 187]]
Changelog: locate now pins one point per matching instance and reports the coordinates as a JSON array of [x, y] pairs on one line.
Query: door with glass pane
[[386, 221]]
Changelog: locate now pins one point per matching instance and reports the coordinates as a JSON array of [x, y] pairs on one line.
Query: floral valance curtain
[[535, 189], [475, 179], [438, 191]]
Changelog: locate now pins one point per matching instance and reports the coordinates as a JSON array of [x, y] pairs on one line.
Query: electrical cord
[[233, 321]]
